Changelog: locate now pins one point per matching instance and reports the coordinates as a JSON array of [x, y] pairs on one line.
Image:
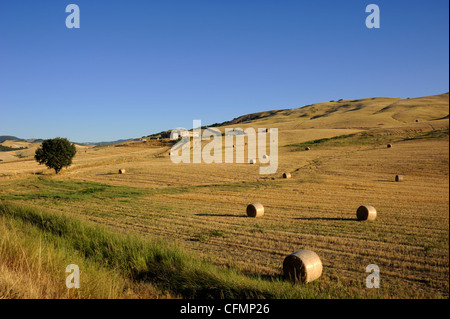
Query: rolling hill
[[354, 114], [201, 207], [315, 121]]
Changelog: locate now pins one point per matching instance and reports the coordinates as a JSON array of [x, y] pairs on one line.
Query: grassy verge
[[118, 259], [33, 264]]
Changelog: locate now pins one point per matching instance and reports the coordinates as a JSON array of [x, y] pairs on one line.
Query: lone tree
[[56, 153]]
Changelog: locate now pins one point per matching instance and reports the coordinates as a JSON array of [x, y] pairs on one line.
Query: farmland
[[198, 210]]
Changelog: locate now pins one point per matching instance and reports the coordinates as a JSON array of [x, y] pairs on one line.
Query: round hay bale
[[252, 161], [302, 266], [399, 178], [366, 213], [122, 171], [307, 148], [417, 121], [265, 156], [389, 146], [286, 175], [255, 210]]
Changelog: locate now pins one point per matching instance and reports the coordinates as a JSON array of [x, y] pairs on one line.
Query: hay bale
[[307, 148], [286, 175], [265, 156], [252, 161], [389, 146], [122, 171], [366, 213], [399, 178], [302, 266], [255, 210], [417, 121]]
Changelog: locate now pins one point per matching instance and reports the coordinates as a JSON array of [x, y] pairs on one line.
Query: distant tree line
[[9, 149]]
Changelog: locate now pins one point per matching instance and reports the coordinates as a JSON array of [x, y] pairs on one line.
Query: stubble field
[[201, 207]]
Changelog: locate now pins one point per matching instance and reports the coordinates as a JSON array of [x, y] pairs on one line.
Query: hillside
[[13, 148], [354, 114], [202, 208], [9, 138], [315, 121]]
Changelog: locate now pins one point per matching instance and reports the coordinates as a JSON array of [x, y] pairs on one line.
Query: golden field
[[202, 207]]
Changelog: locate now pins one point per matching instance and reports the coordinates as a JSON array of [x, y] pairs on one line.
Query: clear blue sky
[[137, 67]]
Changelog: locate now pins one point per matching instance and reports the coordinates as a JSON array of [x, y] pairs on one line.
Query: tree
[[56, 153]]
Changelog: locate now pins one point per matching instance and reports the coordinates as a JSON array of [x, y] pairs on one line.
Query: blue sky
[[138, 67]]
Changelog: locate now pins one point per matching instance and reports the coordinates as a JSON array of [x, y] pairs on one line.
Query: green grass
[[367, 138], [208, 234], [70, 191], [166, 266], [45, 261], [45, 188], [429, 134], [237, 187]]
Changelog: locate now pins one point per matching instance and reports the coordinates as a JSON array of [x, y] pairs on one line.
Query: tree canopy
[[56, 153]]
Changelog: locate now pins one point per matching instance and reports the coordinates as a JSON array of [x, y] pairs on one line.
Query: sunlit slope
[[392, 117], [329, 119], [202, 207], [24, 149], [360, 114]]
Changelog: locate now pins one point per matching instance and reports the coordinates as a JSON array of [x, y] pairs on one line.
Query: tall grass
[[143, 261], [32, 266]]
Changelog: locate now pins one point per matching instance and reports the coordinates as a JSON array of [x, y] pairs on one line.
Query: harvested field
[[202, 209]]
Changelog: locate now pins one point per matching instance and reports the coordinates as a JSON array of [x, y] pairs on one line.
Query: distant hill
[[355, 114], [360, 114], [368, 113], [9, 138], [106, 143], [16, 139], [9, 149], [4, 138]]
